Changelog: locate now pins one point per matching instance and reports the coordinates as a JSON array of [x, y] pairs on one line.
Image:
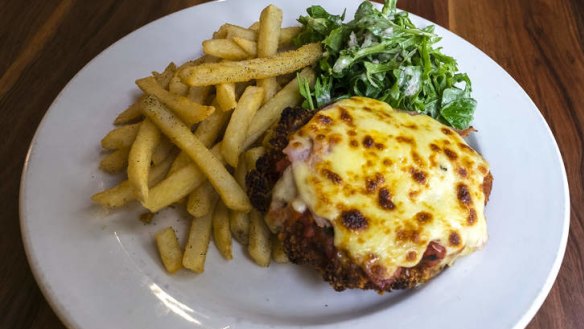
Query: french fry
[[140, 157], [169, 249], [115, 161], [224, 48], [270, 86], [231, 193], [177, 87], [240, 120], [209, 130], [199, 94], [257, 68], [239, 225], [201, 200], [130, 115], [250, 47], [163, 150], [269, 32], [267, 45], [163, 79], [221, 232], [270, 112], [188, 111], [120, 137], [232, 31], [278, 253], [239, 221], [181, 160], [287, 34], [225, 96], [197, 244], [174, 187], [260, 245], [121, 194]]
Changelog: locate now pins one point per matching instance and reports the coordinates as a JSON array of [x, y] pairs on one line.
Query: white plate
[[101, 270]]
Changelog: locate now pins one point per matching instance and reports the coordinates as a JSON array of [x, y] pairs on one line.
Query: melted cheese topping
[[389, 183]]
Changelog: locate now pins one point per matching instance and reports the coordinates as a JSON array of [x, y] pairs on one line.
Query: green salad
[[381, 54]]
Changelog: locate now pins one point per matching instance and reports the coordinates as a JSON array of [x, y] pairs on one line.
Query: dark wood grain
[[44, 43]]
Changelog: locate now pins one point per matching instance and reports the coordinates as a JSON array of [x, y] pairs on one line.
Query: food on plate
[[366, 200], [169, 249], [371, 197], [234, 136], [258, 68], [383, 55], [140, 157], [230, 192], [189, 143], [198, 243]]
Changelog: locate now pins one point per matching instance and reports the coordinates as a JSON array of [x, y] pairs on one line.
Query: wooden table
[[44, 43]]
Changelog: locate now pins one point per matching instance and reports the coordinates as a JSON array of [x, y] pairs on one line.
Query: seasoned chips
[[193, 135]]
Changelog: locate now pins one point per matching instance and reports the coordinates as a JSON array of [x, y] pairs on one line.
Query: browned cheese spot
[[325, 120], [379, 146], [411, 126], [454, 239], [403, 139], [423, 217], [483, 170], [367, 109], [354, 220], [368, 141], [463, 194], [462, 172], [411, 256], [412, 235], [413, 195], [417, 159], [446, 131], [352, 133], [387, 162], [418, 175], [371, 183], [335, 139], [353, 143], [345, 116], [332, 176], [466, 148], [450, 154], [434, 147], [320, 137], [472, 216], [384, 199]]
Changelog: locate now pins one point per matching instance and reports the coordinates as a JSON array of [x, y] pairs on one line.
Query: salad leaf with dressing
[[381, 54]]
